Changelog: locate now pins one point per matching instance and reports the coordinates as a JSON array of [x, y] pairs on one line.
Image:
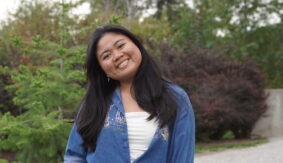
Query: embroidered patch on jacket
[[119, 118], [107, 121], [162, 133]]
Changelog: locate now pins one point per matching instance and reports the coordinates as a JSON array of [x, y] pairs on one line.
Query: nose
[[117, 55]]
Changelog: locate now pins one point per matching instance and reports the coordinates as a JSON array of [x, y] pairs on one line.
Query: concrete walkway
[[271, 152]]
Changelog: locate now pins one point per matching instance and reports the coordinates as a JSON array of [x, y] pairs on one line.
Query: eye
[[106, 56], [121, 46]]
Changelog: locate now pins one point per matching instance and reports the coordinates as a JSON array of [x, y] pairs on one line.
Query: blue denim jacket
[[113, 146]]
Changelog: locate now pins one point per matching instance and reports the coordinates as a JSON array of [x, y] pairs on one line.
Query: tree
[[229, 25], [47, 82]]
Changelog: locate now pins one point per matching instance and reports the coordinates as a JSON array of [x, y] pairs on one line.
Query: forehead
[[108, 40]]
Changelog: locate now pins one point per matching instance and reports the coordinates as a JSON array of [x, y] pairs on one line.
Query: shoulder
[[181, 97], [176, 90]]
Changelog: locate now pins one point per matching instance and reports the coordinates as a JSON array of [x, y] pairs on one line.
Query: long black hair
[[150, 90]]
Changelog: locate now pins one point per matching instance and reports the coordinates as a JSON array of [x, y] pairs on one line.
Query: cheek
[[137, 54], [106, 67]]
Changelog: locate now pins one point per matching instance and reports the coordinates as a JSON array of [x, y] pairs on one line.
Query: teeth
[[123, 64]]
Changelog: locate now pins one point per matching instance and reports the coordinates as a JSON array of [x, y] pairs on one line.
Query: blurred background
[[228, 56]]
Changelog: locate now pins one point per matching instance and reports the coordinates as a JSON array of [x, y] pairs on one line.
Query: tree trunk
[[130, 12], [107, 10]]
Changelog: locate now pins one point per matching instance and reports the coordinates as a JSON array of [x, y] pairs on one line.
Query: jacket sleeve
[[75, 153], [182, 141]]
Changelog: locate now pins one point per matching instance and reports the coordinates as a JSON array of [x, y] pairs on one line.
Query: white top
[[140, 132]]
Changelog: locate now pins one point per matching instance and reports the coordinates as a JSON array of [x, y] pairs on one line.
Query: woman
[[129, 113]]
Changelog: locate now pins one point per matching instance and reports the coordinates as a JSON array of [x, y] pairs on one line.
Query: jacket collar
[[117, 100]]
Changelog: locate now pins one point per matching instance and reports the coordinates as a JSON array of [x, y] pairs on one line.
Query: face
[[118, 56]]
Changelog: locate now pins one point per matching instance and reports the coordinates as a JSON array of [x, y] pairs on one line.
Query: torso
[[113, 142]]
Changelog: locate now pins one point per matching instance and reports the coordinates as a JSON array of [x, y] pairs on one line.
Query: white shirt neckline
[[140, 132]]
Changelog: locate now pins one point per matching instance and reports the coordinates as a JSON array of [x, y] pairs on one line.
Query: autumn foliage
[[226, 95]]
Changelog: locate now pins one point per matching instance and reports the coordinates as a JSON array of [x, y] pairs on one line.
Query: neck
[[125, 87]]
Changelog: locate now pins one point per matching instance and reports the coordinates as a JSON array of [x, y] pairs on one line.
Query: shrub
[[226, 96], [34, 137]]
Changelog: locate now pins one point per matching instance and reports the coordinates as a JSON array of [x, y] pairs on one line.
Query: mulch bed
[[8, 155]]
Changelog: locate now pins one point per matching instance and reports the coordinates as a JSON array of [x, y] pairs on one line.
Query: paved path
[[271, 152]]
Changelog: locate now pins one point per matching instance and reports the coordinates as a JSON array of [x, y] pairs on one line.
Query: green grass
[[229, 135], [203, 148], [3, 161]]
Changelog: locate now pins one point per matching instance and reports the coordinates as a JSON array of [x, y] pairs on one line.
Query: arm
[[75, 153], [182, 141]]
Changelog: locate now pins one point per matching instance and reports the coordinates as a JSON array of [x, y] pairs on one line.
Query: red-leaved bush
[[226, 95]]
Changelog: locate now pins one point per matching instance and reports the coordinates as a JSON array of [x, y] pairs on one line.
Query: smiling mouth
[[123, 64]]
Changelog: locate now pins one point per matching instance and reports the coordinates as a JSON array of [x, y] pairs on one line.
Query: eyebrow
[[115, 44]]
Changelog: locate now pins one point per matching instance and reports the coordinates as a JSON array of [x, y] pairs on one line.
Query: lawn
[[227, 144]]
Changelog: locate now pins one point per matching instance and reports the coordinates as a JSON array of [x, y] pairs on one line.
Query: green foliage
[[246, 32], [47, 82], [3, 161], [115, 20], [149, 29], [17, 41], [53, 85], [229, 135], [265, 46], [34, 135], [47, 94]]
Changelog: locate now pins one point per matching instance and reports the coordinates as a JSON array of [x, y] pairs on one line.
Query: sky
[[7, 6]]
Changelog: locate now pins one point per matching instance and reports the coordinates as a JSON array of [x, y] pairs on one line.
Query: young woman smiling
[[129, 112]]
